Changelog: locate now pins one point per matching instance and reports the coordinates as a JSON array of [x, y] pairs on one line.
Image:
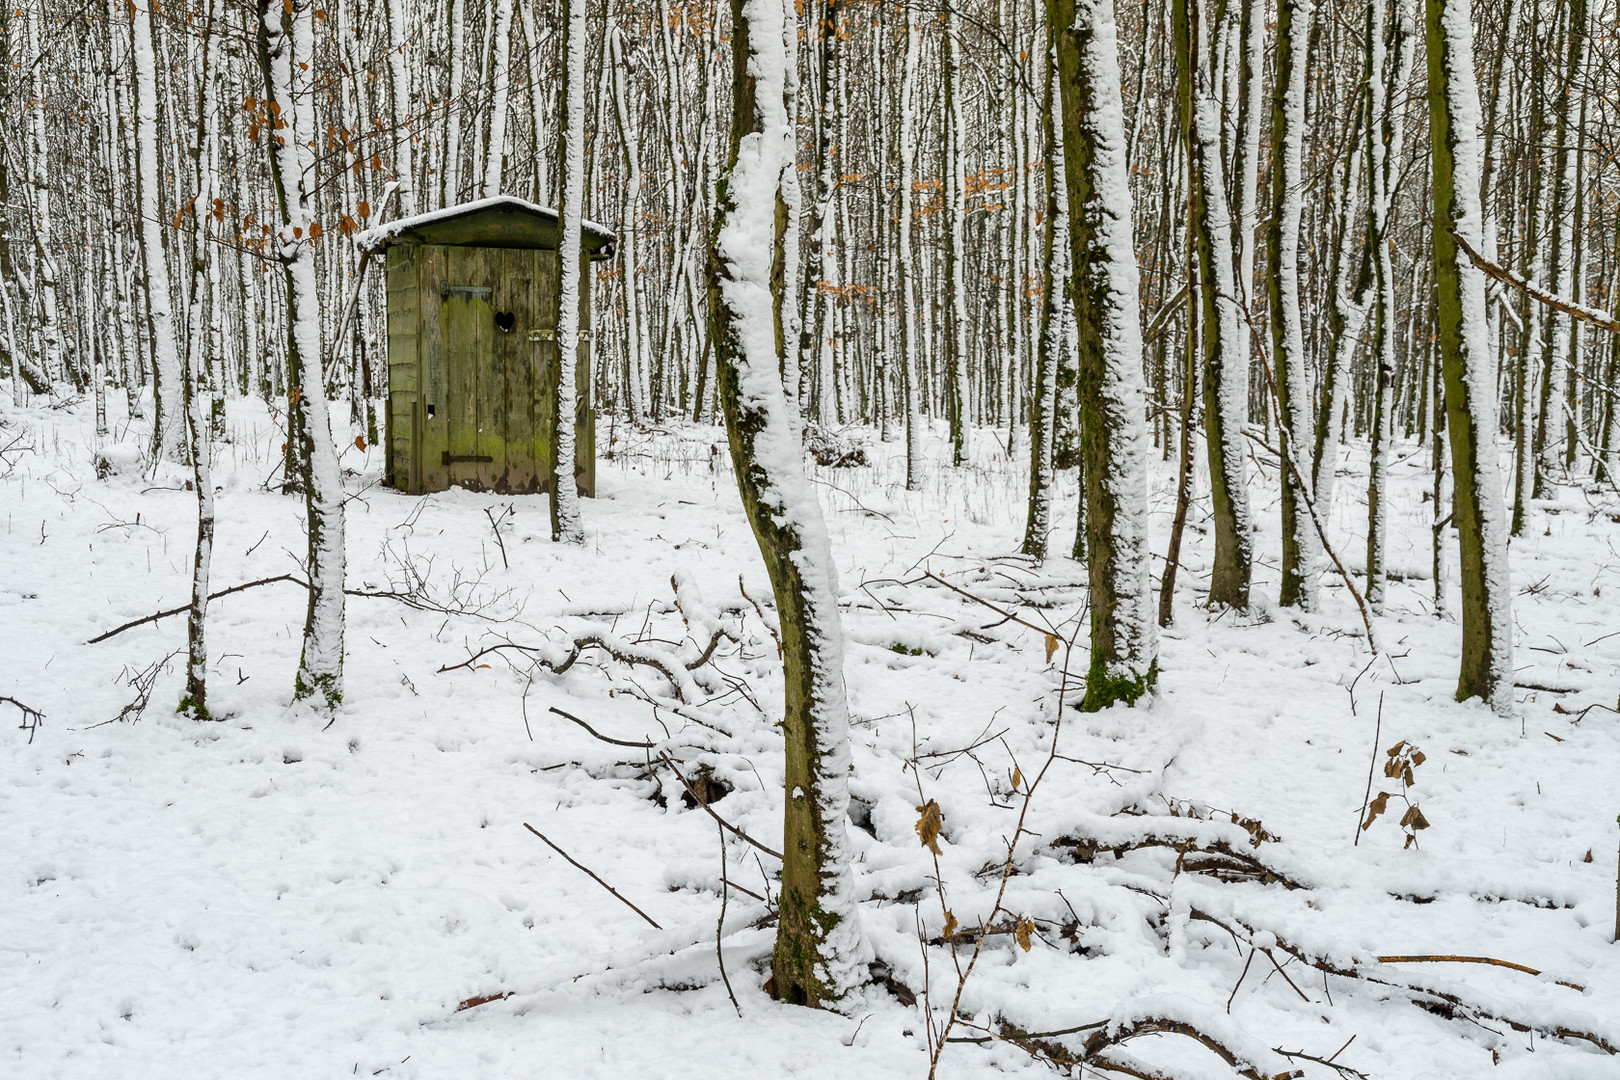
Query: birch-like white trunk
[[403, 125], [168, 420], [194, 366], [629, 257], [500, 93], [286, 51], [566, 526], [907, 316]]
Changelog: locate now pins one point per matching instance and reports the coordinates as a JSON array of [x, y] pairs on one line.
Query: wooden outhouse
[[474, 293]]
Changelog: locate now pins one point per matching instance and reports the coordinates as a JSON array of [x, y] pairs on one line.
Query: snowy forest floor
[[263, 897]]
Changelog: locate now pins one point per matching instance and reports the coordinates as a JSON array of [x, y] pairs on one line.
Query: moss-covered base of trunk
[[802, 923], [192, 707], [323, 688], [1104, 688]]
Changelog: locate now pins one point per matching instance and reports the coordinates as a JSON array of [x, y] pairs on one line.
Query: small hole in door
[[505, 320], [430, 412]]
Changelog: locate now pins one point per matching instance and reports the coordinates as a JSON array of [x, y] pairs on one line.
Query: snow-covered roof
[[501, 221]]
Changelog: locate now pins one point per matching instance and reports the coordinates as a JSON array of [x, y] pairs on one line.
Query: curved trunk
[[820, 955]]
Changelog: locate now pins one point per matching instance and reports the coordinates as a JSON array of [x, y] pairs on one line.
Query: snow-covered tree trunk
[[168, 413], [540, 192], [793, 281], [1300, 545], [956, 307], [907, 316], [816, 354], [450, 169], [1113, 433], [286, 53], [194, 366], [1378, 125], [1251, 71], [1527, 365], [1043, 405], [51, 332], [630, 260], [1481, 520], [1608, 463], [500, 94], [820, 954], [402, 125], [1226, 368], [1557, 349], [1351, 284], [1182, 14], [565, 517]]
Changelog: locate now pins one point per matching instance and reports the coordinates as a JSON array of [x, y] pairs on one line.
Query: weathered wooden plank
[[515, 294], [489, 385], [460, 316], [433, 441], [543, 354], [585, 415]]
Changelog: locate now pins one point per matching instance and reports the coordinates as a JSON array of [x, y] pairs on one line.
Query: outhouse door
[[489, 369], [478, 388]]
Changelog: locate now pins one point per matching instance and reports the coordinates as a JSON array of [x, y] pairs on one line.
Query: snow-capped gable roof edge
[[500, 221]]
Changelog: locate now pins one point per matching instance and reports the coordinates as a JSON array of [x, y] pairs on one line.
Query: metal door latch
[[469, 292]]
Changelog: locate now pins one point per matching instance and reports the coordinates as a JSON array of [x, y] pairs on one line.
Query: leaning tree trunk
[[565, 518], [820, 954], [1470, 383], [1113, 435], [286, 44]]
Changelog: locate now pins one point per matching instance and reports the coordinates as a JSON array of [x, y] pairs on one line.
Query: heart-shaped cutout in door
[[504, 321]]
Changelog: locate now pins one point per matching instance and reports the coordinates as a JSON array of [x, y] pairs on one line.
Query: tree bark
[[1113, 434], [1470, 383], [820, 955], [285, 45]]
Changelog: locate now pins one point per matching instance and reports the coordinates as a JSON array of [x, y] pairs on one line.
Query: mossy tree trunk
[[1299, 541], [1043, 404], [820, 955], [1113, 431], [1470, 382]]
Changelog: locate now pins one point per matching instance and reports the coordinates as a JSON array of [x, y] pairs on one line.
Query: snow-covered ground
[[263, 897]]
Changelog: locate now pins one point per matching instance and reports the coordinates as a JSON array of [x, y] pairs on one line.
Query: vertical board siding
[[431, 268], [490, 392]]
